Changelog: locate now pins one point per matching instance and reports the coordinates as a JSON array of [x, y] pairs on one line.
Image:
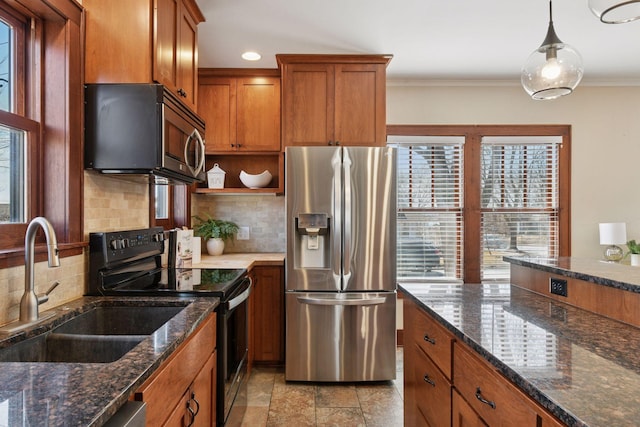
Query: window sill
[[15, 256]]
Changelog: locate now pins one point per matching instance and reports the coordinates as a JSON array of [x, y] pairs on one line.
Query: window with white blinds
[[430, 206], [519, 200]]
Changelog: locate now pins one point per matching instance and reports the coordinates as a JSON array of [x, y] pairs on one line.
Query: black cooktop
[[202, 282]]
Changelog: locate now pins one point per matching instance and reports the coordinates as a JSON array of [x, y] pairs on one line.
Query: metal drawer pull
[[483, 400], [428, 339], [429, 380]]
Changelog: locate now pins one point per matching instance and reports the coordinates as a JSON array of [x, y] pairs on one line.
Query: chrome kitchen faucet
[[30, 301]]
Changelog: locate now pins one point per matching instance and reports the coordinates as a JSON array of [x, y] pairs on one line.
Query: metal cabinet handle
[[483, 400], [429, 339], [193, 414], [429, 380], [193, 397]]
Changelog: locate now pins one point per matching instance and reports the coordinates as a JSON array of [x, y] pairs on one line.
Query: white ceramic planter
[[635, 259], [215, 246]]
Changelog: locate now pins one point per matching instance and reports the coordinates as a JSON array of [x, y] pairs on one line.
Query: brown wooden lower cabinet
[[267, 315], [183, 390], [475, 395]]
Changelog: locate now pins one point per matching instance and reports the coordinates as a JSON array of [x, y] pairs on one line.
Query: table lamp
[[613, 234]]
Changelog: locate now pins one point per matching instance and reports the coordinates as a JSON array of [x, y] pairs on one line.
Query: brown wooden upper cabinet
[[333, 99], [242, 114], [144, 41]]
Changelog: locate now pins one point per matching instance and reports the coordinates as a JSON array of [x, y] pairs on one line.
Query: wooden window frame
[[179, 207], [473, 134], [53, 97]]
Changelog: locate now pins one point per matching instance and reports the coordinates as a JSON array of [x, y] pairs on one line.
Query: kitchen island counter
[[241, 260], [88, 394], [582, 367]]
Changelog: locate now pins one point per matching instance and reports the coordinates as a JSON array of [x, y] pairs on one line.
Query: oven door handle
[[233, 303]]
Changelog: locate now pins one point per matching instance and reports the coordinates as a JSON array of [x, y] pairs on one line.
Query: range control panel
[[123, 246]]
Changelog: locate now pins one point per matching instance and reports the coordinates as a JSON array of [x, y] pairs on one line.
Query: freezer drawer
[[340, 336]]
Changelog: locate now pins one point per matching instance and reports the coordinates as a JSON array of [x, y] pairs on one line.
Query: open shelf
[[252, 163]]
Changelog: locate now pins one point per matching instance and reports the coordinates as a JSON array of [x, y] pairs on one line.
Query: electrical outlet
[[243, 233], [558, 286]]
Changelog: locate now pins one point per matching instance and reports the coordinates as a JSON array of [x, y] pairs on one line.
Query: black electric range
[[129, 263]]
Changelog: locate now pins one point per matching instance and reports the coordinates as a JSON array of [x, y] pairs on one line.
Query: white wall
[[605, 122]]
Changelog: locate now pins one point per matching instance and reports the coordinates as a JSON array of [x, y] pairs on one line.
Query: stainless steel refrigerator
[[341, 263]]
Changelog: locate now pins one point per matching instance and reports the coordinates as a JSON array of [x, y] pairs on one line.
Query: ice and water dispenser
[[312, 243]]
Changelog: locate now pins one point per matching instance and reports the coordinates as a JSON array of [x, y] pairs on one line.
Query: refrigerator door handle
[[334, 301], [346, 256], [336, 250]]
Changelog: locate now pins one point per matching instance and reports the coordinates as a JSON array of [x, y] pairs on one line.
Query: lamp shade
[[613, 233], [615, 11]]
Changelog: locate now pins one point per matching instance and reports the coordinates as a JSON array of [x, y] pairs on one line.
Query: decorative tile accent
[[263, 214]]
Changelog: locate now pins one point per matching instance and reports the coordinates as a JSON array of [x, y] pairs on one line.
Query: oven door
[[233, 350]]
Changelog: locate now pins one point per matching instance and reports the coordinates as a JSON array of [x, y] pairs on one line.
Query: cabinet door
[[165, 37], [360, 110], [463, 414], [203, 394], [268, 315], [217, 106], [180, 417], [186, 65], [258, 114], [308, 98]]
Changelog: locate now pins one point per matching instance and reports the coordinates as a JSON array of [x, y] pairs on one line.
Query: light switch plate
[[243, 233]]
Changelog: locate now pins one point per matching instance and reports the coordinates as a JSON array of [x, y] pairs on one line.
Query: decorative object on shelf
[[615, 11], [215, 177], [634, 252], [613, 234], [552, 70], [215, 232], [255, 181]]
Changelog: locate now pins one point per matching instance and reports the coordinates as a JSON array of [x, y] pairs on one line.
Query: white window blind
[[430, 207], [519, 200]]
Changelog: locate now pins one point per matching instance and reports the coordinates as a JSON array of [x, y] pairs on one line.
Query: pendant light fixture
[[615, 11], [552, 70]]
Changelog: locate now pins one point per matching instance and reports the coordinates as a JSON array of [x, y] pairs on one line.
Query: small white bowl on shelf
[[256, 181]]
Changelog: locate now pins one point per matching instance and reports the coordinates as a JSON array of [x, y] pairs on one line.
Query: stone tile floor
[[274, 402]]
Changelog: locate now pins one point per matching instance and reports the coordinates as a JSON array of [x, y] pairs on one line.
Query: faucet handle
[[44, 298]]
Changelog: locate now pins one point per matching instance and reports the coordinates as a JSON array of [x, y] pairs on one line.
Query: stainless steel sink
[[53, 347], [119, 320], [101, 335]]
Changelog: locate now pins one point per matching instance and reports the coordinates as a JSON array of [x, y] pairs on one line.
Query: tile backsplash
[[263, 214]]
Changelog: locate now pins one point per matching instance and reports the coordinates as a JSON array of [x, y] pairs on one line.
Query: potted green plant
[[215, 232], [634, 251]]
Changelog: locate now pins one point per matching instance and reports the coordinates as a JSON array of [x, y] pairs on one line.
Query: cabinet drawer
[[433, 391], [434, 340], [503, 405]]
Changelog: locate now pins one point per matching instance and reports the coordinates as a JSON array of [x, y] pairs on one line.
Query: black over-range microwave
[[135, 128]]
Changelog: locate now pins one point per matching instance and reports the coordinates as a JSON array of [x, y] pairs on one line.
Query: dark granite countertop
[[88, 394], [584, 368], [612, 274]]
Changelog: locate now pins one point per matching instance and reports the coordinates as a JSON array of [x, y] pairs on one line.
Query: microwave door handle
[[186, 154], [201, 146], [197, 139]]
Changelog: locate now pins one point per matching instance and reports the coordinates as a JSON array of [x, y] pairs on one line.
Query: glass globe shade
[[552, 71], [615, 11]]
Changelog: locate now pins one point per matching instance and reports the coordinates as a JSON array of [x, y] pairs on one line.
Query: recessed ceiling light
[[251, 56]]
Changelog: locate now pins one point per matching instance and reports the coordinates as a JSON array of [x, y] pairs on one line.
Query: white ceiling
[[429, 39]]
